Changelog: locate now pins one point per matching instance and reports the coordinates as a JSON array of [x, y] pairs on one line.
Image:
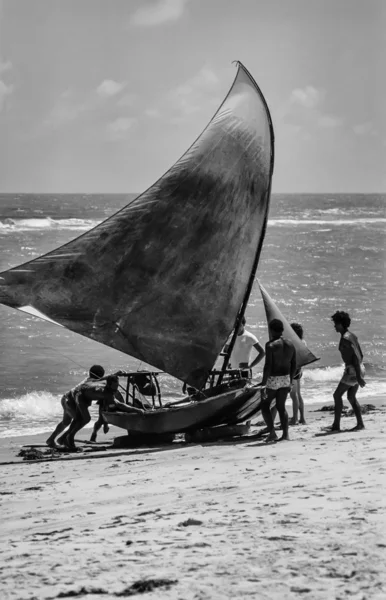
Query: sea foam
[[8, 224]]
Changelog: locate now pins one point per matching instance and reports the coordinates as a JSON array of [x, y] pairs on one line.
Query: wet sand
[[234, 519]]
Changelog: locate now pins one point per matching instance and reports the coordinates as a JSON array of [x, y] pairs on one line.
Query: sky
[[103, 96]]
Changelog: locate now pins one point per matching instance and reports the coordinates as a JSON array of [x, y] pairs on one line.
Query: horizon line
[[94, 193]]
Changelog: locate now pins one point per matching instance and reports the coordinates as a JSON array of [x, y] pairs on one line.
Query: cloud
[[308, 97], [119, 128], [366, 128], [127, 99], [158, 12], [329, 121], [73, 104], [67, 109], [305, 109], [5, 90], [153, 113], [187, 98], [190, 96], [109, 88], [5, 66]]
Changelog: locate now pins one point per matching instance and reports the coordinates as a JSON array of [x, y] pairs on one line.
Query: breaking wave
[[9, 224], [31, 413]]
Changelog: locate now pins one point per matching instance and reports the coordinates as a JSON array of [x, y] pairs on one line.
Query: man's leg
[[64, 423], [68, 415], [352, 398], [294, 393], [98, 424], [270, 395], [81, 419], [281, 397], [301, 405], [338, 401]]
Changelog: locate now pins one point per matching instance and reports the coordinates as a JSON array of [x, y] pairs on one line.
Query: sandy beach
[[231, 519]]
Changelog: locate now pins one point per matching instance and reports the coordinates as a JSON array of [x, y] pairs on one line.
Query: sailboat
[[167, 278]]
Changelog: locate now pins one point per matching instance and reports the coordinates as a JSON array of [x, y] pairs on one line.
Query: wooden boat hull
[[180, 418], [246, 410]]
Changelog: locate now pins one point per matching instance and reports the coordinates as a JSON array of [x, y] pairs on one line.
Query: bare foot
[[50, 443], [293, 421], [358, 427], [284, 438], [68, 444], [332, 429], [302, 422], [105, 428], [271, 438]]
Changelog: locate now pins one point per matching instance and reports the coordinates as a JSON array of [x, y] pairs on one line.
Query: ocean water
[[322, 253]]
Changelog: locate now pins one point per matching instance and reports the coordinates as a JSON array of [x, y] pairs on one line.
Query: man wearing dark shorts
[[354, 370], [69, 406], [278, 374], [105, 391]]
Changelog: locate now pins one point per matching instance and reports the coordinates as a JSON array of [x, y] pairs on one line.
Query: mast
[[245, 301]]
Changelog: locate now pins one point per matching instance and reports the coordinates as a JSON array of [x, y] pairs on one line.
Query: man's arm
[[260, 355], [293, 365], [122, 407], [267, 364], [118, 396], [357, 368]]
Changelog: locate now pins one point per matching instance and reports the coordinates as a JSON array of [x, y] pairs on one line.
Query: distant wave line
[[360, 221]]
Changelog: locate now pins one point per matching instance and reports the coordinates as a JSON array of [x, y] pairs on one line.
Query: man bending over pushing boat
[[84, 398], [279, 370], [69, 404]]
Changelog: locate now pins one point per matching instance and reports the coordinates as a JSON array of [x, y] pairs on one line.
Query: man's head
[[298, 329], [276, 328], [96, 372], [341, 321], [242, 325], [112, 383]]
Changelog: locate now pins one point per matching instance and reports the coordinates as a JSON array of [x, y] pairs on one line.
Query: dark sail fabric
[[304, 356], [163, 279]]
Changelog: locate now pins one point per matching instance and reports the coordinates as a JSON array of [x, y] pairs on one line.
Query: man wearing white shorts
[[353, 373], [279, 370]]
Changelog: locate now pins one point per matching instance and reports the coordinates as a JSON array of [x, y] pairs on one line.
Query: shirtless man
[[69, 404], [105, 392], [354, 370], [101, 421], [279, 370]]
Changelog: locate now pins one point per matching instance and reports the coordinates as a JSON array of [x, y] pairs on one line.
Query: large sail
[[164, 278], [304, 356]]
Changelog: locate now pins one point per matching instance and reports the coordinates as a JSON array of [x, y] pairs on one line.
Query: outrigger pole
[[259, 247]]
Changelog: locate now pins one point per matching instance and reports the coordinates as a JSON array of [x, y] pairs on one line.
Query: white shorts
[[349, 375], [276, 382]]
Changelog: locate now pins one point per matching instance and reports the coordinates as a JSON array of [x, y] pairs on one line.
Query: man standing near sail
[[354, 370], [279, 370], [242, 350]]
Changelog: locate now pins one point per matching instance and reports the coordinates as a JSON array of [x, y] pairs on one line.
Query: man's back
[[283, 352], [349, 347]]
